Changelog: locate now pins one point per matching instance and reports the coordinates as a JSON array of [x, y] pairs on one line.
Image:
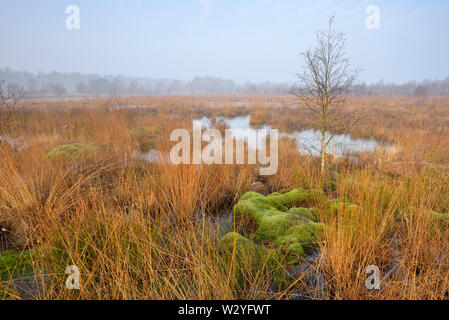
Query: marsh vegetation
[[73, 192]]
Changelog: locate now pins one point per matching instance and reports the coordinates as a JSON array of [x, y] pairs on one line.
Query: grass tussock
[[72, 192]]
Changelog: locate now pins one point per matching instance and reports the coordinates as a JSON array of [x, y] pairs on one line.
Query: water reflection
[[308, 141]]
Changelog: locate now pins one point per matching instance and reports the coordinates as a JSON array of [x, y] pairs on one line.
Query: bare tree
[[116, 101], [10, 95], [324, 84]]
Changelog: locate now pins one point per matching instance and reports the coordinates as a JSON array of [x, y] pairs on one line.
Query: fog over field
[[213, 46]]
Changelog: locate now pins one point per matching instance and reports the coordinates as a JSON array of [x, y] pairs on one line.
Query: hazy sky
[[254, 40]]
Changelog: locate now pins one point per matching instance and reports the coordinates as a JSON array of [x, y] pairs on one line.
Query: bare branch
[[10, 95]]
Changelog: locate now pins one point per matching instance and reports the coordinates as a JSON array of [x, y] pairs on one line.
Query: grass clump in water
[[74, 151], [145, 137]]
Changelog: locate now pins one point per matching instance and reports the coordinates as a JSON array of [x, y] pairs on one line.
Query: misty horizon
[[202, 76], [60, 83], [254, 41]]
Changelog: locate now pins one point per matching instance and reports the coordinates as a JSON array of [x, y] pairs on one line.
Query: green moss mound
[[17, 272], [245, 249], [255, 206], [247, 259], [145, 137], [276, 230], [282, 220], [442, 218], [14, 263], [288, 221], [74, 151], [144, 131], [437, 220], [6, 294]]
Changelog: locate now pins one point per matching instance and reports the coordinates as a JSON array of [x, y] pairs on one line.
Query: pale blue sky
[[254, 40]]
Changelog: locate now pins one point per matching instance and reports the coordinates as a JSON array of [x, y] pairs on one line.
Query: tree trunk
[[323, 139], [323, 150]]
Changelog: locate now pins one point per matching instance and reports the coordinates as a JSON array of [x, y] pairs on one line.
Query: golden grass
[[139, 230]]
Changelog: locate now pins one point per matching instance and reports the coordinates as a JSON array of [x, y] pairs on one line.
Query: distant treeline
[[411, 88], [69, 83]]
